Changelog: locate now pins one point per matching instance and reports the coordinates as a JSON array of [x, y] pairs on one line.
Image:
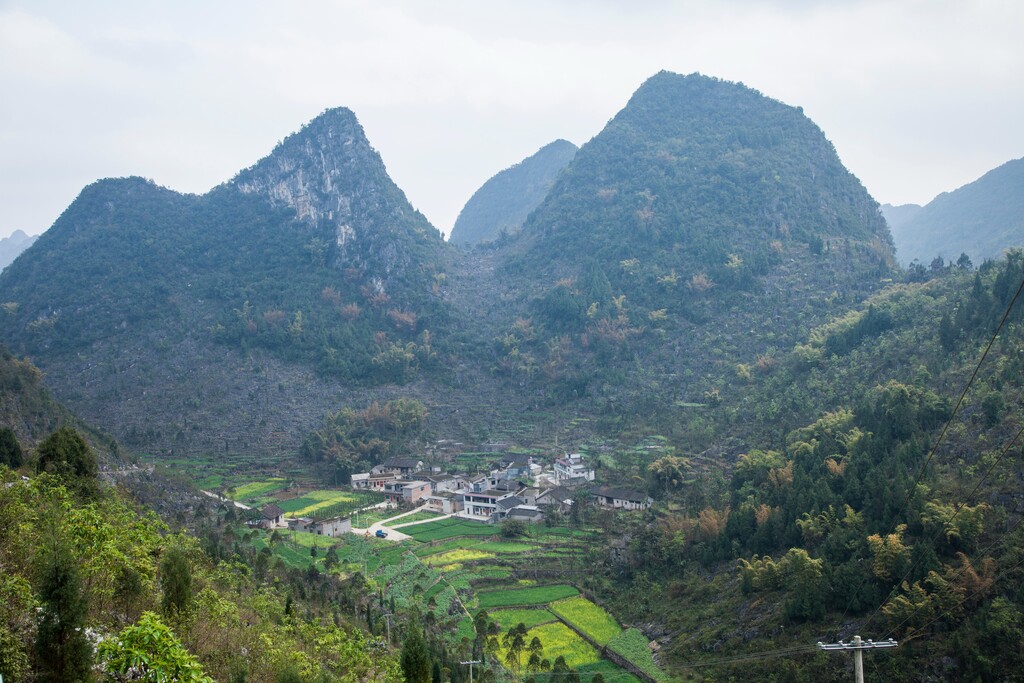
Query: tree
[[175, 582], [149, 651], [10, 449], [415, 657], [513, 528], [66, 453], [62, 650], [515, 643]]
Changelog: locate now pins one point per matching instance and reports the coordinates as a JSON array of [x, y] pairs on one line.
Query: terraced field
[[535, 595], [326, 503], [455, 567], [587, 618]]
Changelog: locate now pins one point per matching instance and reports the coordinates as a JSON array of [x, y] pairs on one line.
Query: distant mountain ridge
[[503, 203], [12, 246], [981, 219]]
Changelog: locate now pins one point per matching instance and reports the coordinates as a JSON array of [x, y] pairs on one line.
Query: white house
[[572, 467], [484, 505], [335, 526]]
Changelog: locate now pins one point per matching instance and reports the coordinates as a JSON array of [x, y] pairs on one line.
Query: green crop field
[[535, 595], [509, 618], [504, 547], [256, 489], [632, 644], [450, 528], [326, 503], [611, 672], [587, 618], [460, 556]]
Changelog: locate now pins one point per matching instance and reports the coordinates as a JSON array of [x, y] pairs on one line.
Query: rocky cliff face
[[338, 187]]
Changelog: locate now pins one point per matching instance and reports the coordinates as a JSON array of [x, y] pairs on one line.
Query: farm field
[[535, 595], [510, 618], [632, 644], [326, 503], [587, 618], [457, 556], [258, 489], [450, 528], [561, 641], [415, 517], [455, 567]]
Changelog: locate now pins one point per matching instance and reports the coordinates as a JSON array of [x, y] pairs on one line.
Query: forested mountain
[[154, 313], [981, 219], [13, 245], [706, 225], [503, 202]]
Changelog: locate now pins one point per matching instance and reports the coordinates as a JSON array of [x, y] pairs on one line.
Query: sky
[[918, 96]]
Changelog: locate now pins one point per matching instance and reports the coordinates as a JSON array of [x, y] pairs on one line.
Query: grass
[[509, 618], [537, 595], [587, 618]]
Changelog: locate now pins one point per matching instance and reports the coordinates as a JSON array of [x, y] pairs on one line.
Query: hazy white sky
[[918, 96]]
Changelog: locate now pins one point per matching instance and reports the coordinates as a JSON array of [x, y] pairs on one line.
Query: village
[[516, 487]]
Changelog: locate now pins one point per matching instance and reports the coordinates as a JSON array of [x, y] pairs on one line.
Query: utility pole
[[388, 618], [858, 646], [471, 663]]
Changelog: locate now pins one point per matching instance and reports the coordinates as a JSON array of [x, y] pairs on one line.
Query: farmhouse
[[447, 503], [300, 523], [335, 526], [440, 483], [400, 466], [369, 481], [484, 505], [271, 516], [622, 498], [408, 492], [559, 498]]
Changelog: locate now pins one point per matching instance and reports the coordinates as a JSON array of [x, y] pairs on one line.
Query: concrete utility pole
[[388, 618], [858, 646], [471, 663]]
